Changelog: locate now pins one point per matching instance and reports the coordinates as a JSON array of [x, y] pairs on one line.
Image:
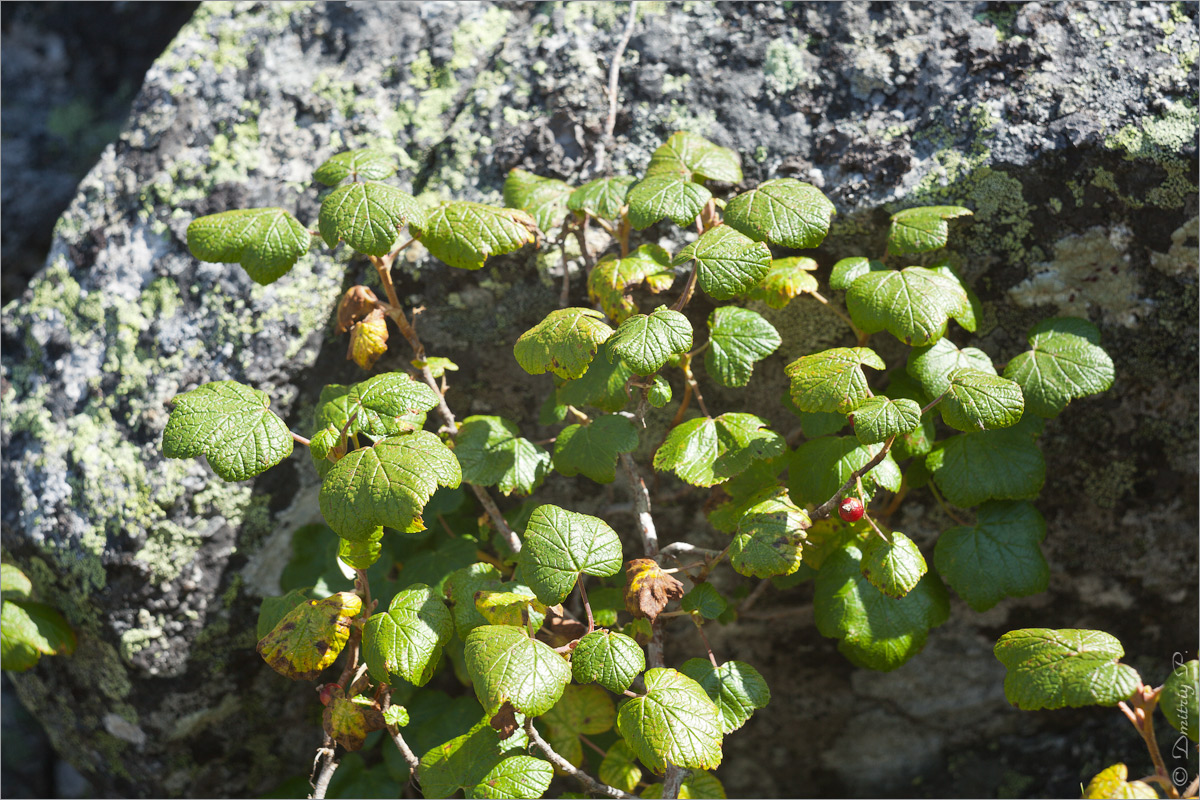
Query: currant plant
[[1051, 669], [549, 614]]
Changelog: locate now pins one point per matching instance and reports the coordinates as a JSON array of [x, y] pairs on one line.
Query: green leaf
[[229, 424], [770, 537], [265, 241], [819, 468], [438, 366], [310, 636], [602, 386], [697, 157], [1064, 669], [698, 784], [879, 418], [361, 554], [673, 723], [932, 364], [613, 278], [13, 583], [276, 608], [593, 448], [387, 484], [728, 264], [1179, 699], [396, 715], [544, 198], [660, 392], [848, 270], [368, 216], [603, 197], [706, 451], [610, 659], [559, 545], [705, 600], [895, 567], [978, 401], [737, 338], [1065, 362], [1114, 783], [29, 630], [367, 164], [914, 304], [919, 230], [832, 380], [735, 687], [519, 607], [618, 769], [645, 343], [784, 211], [564, 343], [463, 763], [491, 453], [506, 666], [988, 465], [464, 234], [582, 711], [386, 404], [461, 586], [876, 631], [515, 777], [787, 278], [996, 557], [902, 386], [405, 641], [817, 423], [661, 196]]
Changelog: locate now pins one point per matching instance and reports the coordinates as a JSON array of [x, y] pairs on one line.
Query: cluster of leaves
[[28, 629], [1051, 669], [509, 613]]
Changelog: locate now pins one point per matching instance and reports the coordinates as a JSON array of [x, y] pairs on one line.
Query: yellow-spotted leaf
[[310, 637]]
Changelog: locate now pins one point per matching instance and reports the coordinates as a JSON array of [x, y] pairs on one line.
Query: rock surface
[[1069, 128]]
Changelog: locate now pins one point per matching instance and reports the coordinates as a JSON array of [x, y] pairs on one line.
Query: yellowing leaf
[[310, 637], [368, 340]]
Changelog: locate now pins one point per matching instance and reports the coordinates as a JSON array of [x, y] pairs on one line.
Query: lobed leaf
[[696, 157], [367, 164], [608, 658], [879, 418], [787, 278], [463, 763], [519, 607], [1065, 362], [367, 216], [544, 198], [602, 386], [405, 641], [387, 484], [848, 270], [876, 631], [1114, 783], [770, 537], [997, 557], [361, 554], [491, 453], [348, 721], [506, 666], [564, 343], [464, 234], [602, 197], [932, 364], [383, 405], [613, 278], [707, 451], [559, 545], [783, 211], [228, 423], [832, 380], [646, 342], [705, 600], [593, 448], [675, 722], [267, 242], [914, 304], [1180, 699], [737, 338], [1064, 668], [894, 567], [662, 196], [14, 585], [819, 467], [461, 587], [919, 230], [736, 688], [988, 465], [310, 636], [619, 768], [29, 630], [728, 263], [515, 777], [978, 401]]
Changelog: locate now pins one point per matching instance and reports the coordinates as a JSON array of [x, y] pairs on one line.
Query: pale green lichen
[[784, 66], [1160, 140], [1183, 255]]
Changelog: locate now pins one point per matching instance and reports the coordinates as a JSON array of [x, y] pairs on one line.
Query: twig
[[945, 508], [586, 606], [673, 781], [845, 317], [299, 439], [688, 288], [590, 783], [502, 526], [753, 597], [564, 297], [614, 75], [321, 786], [676, 549], [934, 403], [414, 763], [641, 504], [825, 509], [707, 644]]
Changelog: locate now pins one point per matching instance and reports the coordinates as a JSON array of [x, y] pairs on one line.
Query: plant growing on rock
[[1050, 669], [556, 618]]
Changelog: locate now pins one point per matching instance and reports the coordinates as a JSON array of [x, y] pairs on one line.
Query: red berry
[[326, 692], [850, 509]]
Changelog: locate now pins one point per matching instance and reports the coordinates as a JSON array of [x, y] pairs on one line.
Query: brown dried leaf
[[368, 340], [505, 721], [648, 589], [356, 304], [559, 629]]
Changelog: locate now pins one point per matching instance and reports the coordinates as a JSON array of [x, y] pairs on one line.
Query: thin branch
[[586, 606], [688, 288], [934, 403], [641, 504], [753, 597], [845, 317], [673, 781], [414, 763], [589, 783], [676, 549], [614, 75], [825, 509], [321, 785], [945, 508], [299, 439], [707, 644], [502, 526]]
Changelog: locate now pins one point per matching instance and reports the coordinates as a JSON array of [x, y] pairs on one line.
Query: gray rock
[[1069, 128]]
